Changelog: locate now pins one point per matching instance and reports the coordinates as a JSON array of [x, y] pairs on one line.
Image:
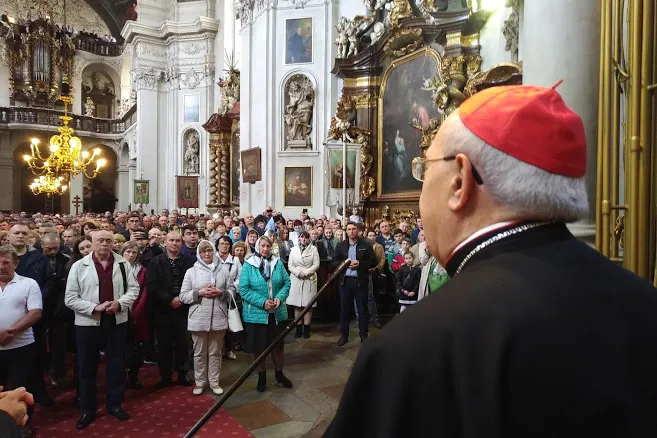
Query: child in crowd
[[408, 281], [355, 216], [396, 253]]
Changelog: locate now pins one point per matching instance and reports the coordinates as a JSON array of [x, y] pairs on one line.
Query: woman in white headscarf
[[264, 287], [303, 265], [206, 287]]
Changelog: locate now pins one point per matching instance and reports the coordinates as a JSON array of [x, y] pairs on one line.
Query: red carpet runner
[[169, 412]]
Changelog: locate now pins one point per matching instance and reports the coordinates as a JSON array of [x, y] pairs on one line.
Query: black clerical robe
[[538, 336]]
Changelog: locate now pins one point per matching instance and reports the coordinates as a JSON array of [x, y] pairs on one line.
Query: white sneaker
[[231, 355], [198, 390], [217, 390]]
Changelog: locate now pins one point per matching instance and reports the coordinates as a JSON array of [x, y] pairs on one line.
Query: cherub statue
[[89, 107], [342, 41]]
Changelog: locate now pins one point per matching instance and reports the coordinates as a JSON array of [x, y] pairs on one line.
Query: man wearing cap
[[536, 334]]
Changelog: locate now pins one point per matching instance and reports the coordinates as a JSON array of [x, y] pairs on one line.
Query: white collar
[[481, 232]]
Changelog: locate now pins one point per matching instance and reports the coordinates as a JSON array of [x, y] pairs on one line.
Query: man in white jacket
[[100, 293]]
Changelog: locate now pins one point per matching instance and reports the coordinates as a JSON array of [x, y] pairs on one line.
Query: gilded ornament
[[428, 133], [447, 88], [367, 183], [400, 9], [363, 101], [404, 41]]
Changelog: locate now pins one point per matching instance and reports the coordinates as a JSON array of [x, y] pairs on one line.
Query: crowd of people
[[139, 288]]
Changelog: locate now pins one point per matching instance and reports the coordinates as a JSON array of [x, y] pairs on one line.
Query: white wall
[[263, 73]]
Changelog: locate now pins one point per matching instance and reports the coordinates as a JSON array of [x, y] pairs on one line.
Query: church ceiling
[[113, 12]]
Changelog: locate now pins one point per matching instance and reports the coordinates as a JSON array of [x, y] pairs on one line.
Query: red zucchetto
[[530, 123]]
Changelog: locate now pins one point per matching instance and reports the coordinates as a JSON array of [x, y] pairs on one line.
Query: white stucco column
[[123, 187], [76, 91], [561, 40], [229, 26], [148, 159], [4, 79], [7, 183], [76, 188]]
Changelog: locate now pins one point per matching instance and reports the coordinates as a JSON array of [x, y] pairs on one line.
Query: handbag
[[234, 317]]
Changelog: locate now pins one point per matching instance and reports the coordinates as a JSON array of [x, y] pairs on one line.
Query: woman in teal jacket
[[264, 286]]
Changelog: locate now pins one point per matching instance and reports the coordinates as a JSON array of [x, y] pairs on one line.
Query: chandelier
[[49, 184], [66, 154]]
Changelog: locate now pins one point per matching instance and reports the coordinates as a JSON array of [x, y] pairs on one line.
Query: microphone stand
[[219, 403]]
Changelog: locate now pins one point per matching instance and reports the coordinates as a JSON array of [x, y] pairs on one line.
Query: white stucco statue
[[89, 107], [342, 41], [191, 158], [377, 31]]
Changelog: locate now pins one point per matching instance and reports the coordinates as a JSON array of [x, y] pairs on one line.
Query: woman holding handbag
[[224, 251], [207, 287]]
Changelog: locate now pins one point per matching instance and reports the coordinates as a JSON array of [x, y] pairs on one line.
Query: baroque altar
[[224, 129], [404, 69]]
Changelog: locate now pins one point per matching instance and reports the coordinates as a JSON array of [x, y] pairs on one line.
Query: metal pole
[[264, 354], [344, 181]]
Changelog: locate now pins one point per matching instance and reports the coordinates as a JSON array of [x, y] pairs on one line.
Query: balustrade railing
[[98, 47], [45, 116]]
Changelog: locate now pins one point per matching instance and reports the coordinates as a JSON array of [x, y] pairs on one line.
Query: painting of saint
[[298, 186], [299, 41], [339, 170], [405, 105], [140, 187], [187, 191]]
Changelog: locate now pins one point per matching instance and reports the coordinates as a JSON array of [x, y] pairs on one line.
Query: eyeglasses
[[419, 167]]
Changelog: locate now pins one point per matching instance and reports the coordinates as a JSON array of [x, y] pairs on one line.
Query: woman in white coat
[[303, 265], [207, 287]]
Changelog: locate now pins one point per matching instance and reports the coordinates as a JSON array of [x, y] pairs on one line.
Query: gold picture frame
[[410, 189], [298, 186]]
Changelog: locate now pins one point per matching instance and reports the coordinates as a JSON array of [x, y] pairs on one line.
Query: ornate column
[[219, 128], [571, 53]]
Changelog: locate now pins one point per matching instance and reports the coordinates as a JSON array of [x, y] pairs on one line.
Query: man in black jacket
[[163, 281], [57, 317], [33, 264], [354, 281]]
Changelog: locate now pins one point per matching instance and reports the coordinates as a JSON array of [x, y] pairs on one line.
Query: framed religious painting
[[343, 170], [298, 186], [404, 110], [187, 191], [251, 167], [299, 41], [191, 108], [140, 188]]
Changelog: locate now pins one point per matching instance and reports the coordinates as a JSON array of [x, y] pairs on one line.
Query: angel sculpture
[[342, 41]]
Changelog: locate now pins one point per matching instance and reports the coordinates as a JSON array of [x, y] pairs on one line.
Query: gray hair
[[9, 250], [515, 184], [50, 237]]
